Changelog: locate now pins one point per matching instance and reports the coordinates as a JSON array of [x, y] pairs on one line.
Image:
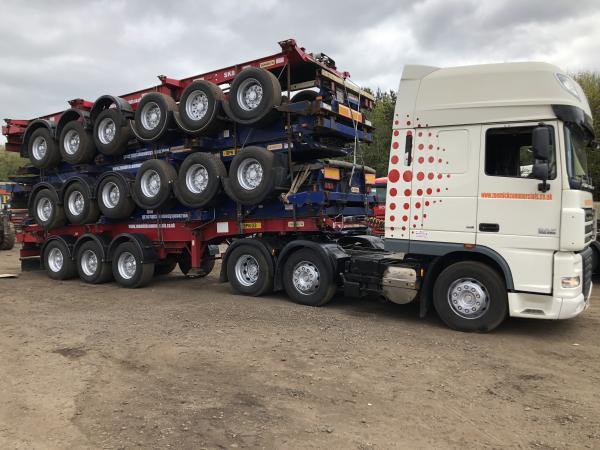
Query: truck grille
[[586, 257], [589, 225]]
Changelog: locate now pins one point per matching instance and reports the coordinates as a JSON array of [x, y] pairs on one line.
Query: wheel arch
[[125, 177], [106, 101], [37, 188], [68, 241], [143, 243], [262, 245], [87, 182], [31, 127], [99, 239], [70, 115]]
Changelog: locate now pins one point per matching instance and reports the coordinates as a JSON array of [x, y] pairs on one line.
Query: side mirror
[[541, 143], [540, 171]]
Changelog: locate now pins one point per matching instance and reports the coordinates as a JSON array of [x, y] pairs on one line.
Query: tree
[[9, 164], [382, 117]]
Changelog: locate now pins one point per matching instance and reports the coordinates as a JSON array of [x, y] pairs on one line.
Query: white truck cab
[[488, 165]]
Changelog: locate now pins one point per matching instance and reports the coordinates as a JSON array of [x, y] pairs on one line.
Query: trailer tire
[[199, 180], [58, 262], [185, 265], [90, 266], [76, 143], [252, 177], [165, 267], [112, 132], [253, 96], [114, 198], [42, 149], [200, 105], [46, 210], [9, 237], [462, 311], [308, 279], [128, 267], [153, 116], [79, 207], [153, 182], [248, 271]]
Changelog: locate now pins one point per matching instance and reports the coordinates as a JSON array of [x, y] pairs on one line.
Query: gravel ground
[[187, 364]]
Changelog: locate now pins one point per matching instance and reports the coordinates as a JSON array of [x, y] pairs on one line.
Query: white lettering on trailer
[[127, 166], [222, 227], [145, 153], [165, 216], [134, 100], [150, 225], [279, 60], [229, 73], [297, 224]]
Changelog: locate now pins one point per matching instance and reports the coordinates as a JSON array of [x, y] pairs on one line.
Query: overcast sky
[[53, 51]]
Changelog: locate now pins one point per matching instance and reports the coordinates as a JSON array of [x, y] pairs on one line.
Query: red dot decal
[[420, 134], [416, 217], [430, 175], [430, 147], [392, 206], [405, 218], [448, 176], [417, 205], [419, 191], [421, 160], [403, 228], [429, 191], [424, 216], [431, 159], [396, 132], [394, 176], [407, 176], [420, 176], [429, 134], [394, 159], [396, 122], [406, 206], [395, 145], [437, 190], [392, 218], [407, 192], [414, 226], [393, 192], [409, 133], [408, 122], [427, 203], [440, 160], [421, 146], [439, 176]]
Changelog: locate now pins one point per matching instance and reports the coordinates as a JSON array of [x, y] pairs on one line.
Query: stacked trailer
[[130, 186]]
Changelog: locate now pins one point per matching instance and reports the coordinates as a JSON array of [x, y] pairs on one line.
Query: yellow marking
[[268, 63], [252, 225], [297, 224], [349, 113], [332, 173], [272, 147], [369, 178], [230, 152]]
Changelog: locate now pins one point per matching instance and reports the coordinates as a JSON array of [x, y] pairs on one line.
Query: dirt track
[[186, 364]]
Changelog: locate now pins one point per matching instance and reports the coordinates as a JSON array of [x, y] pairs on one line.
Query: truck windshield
[[578, 142], [380, 191]]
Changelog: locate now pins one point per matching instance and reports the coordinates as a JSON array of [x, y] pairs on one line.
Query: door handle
[[490, 227]]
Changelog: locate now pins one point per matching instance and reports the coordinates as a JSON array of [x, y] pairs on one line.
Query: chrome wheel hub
[[196, 105], [306, 277], [39, 148], [250, 94], [246, 270], [44, 209], [150, 183], [250, 174], [89, 263], [76, 203], [111, 195], [150, 115], [72, 141], [107, 130], [55, 260], [468, 298], [196, 178], [126, 265]]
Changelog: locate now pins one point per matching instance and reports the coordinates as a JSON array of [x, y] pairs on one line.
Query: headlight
[[568, 84], [570, 282]]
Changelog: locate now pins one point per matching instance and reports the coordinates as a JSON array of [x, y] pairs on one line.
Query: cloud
[[51, 52]]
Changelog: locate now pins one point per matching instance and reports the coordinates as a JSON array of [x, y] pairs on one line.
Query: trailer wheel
[[253, 95], [58, 263], [114, 199], [128, 267], [308, 279], [152, 186], [252, 177], [76, 143], [185, 265], [79, 206], [199, 180], [470, 296], [200, 105], [42, 149], [8, 237], [46, 209], [248, 271], [112, 132], [90, 266], [165, 267], [153, 116]]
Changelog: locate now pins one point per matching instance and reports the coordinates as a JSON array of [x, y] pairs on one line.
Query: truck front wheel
[[308, 278], [470, 296]]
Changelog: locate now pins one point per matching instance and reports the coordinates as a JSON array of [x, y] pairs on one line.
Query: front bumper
[[539, 306]]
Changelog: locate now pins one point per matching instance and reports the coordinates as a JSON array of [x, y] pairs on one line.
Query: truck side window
[[508, 153]]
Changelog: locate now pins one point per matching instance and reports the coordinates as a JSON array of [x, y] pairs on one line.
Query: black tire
[[42, 149], [112, 132], [111, 206], [58, 267], [142, 273], [245, 281], [304, 96], [76, 144], [482, 279], [185, 265], [9, 237], [165, 267], [243, 192], [163, 106], [212, 171], [238, 106], [142, 194], [325, 287], [77, 194], [205, 119], [56, 217], [90, 266]]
